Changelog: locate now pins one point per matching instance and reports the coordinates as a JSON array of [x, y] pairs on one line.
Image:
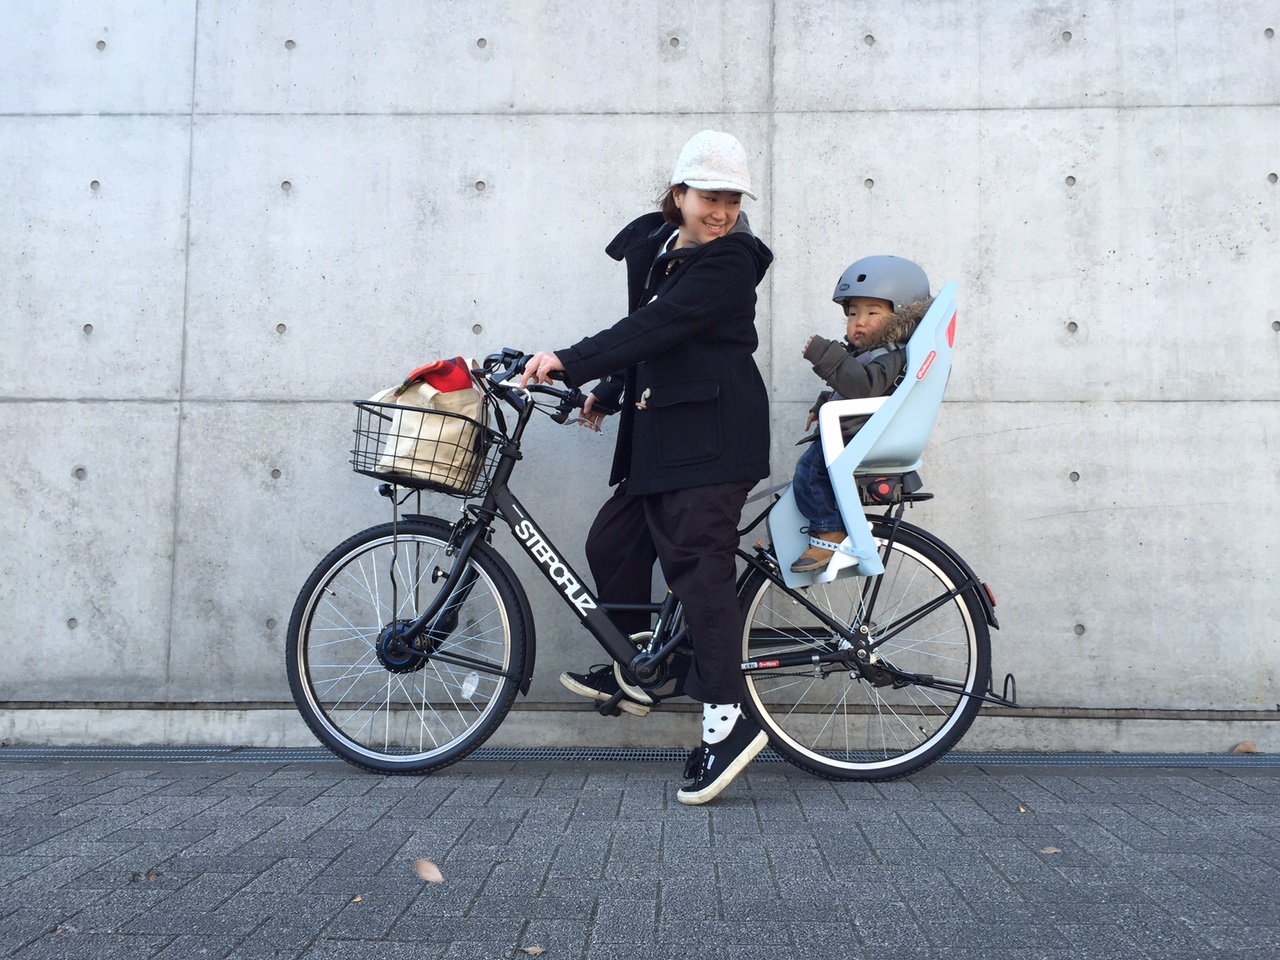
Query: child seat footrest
[[844, 546]]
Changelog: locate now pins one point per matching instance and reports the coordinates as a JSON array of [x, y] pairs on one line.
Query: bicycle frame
[[500, 502]]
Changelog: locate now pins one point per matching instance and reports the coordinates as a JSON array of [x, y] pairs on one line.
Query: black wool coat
[[694, 409]]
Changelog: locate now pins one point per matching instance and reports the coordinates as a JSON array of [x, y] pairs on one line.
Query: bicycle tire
[[832, 720], [403, 712]]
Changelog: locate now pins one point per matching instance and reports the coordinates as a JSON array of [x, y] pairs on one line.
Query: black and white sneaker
[[723, 761], [693, 765], [600, 684]]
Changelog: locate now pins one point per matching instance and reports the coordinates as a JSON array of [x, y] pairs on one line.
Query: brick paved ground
[[594, 859]]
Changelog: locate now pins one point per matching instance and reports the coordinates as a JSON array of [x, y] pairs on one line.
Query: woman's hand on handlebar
[[539, 368], [591, 417]]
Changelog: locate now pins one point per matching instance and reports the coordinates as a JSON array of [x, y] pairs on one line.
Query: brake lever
[[572, 401]]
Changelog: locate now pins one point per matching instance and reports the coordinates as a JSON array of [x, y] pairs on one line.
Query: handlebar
[[501, 367]]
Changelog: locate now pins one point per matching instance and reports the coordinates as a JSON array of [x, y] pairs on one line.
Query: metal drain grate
[[158, 754]]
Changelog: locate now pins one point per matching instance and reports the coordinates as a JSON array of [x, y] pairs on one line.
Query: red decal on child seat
[[951, 330], [928, 362]]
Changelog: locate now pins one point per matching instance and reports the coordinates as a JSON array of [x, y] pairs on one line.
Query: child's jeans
[[814, 496]]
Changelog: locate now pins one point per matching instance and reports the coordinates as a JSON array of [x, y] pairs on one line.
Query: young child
[[884, 299]]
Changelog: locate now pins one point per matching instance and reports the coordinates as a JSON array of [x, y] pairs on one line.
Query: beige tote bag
[[422, 443]]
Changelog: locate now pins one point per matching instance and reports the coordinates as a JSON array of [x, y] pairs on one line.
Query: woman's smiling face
[[707, 214]]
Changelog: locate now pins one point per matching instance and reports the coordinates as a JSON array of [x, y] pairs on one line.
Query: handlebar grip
[[557, 375], [521, 360], [600, 406]]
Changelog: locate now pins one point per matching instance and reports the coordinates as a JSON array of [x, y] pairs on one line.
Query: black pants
[[692, 534]]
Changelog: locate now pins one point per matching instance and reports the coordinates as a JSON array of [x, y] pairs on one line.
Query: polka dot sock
[[718, 719]]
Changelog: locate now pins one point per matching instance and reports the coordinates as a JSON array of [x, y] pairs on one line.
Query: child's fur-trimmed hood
[[901, 325]]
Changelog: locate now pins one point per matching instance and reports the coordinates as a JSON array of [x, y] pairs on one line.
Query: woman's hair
[[667, 203]]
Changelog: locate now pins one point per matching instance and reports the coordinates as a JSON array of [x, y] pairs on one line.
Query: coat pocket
[[687, 422]]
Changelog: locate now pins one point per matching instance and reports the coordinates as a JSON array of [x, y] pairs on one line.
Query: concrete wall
[[222, 220]]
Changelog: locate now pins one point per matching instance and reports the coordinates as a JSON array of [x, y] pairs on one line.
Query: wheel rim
[[390, 715], [840, 721]]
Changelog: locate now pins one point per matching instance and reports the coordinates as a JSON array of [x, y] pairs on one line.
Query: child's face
[[867, 317]]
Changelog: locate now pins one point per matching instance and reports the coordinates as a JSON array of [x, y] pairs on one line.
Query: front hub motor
[[395, 652]]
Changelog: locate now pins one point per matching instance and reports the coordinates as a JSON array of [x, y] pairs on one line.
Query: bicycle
[[410, 641]]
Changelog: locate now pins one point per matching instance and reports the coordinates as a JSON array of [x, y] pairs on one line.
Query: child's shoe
[[816, 558]]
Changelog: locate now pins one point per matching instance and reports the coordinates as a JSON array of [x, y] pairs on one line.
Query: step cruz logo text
[[560, 574]]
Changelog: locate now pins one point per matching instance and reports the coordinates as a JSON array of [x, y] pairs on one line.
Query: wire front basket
[[423, 449]]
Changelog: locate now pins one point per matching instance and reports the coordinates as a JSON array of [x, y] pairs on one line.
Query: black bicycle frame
[[568, 584], [499, 501]]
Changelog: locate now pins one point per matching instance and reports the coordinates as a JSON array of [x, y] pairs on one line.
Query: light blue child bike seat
[[891, 442]]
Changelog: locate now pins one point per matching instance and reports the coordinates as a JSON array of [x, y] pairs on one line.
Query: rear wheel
[[373, 699], [850, 722]]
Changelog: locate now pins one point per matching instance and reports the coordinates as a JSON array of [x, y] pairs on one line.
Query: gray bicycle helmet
[[899, 281]]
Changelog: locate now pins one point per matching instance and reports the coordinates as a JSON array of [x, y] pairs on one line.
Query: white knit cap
[[713, 161]]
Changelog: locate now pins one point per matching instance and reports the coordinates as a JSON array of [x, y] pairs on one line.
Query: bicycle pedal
[[610, 708], [605, 712]]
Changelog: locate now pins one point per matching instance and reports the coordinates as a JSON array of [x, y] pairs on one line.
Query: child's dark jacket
[[870, 372]]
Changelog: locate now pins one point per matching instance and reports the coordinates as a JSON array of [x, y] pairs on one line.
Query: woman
[[693, 436]]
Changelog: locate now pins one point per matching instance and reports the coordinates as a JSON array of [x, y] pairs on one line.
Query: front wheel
[[373, 699], [849, 722]]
